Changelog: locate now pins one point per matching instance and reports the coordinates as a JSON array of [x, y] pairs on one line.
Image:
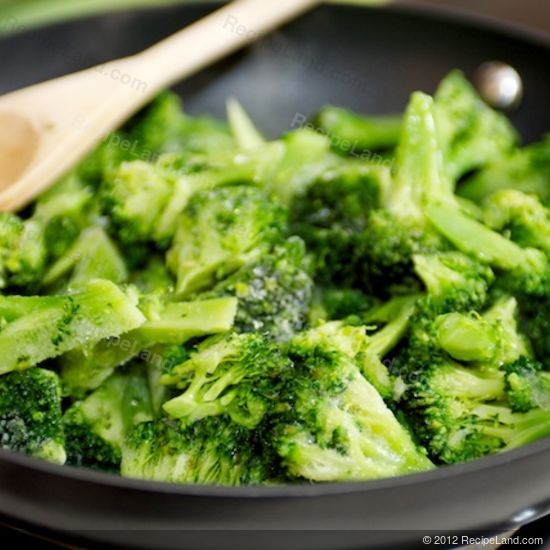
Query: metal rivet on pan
[[499, 84]]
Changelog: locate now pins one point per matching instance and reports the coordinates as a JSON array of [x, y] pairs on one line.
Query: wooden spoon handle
[[212, 38]]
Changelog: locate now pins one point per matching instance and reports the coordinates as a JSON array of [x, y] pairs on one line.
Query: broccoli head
[[30, 414], [219, 232], [351, 133], [472, 134], [95, 428], [527, 386], [235, 375], [461, 414], [211, 451], [526, 170], [274, 292], [332, 216], [521, 216], [336, 425]]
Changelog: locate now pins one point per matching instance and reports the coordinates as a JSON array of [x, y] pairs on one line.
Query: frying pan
[[366, 59]]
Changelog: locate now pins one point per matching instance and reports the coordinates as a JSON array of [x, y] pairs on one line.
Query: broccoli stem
[[86, 369], [245, 133], [40, 328]]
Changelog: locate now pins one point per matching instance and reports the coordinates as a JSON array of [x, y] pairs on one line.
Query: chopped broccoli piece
[[36, 328], [462, 413], [335, 303], [526, 170], [400, 228], [86, 368], [220, 231], [521, 216], [30, 414], [92, 256], [338, 427], [163, 128], [22, 251], [332, 217], [212, 451], [527, 387], [95, 428], [353, 133], [473, 135], [232, 375], [274, 292]]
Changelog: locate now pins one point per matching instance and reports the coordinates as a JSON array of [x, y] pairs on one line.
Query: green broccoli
[[85, 368], [521, 216], [212, 451], [220, 231], [163, 127], [22, 251], [95, 428], [528, 269], [351, 133], [335, 303], [274, 292], [536, 321], [92, 256], [463, 413], [526, 170], [400, 228], [527, 386], [336, 425], [332, 217], [30, 414], [230, 375], [35, 328], [472, 134]]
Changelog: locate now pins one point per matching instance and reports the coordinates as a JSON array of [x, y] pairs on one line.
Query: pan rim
[[439, 14]]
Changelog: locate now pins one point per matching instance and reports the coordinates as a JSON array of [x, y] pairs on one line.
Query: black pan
[[366, 59]]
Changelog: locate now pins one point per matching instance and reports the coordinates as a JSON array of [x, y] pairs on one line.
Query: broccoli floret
[[527, 386], [22, 251], [95, 428], [536, 321], [453, 281], [135, 196], [212, 451], [521, 216], [400, 228], [219, 232], [334, 303], [30, 414], [463, 413], [336, 425], [274, 292], [332, 217], [153, 278], [233, 375], [351, 133], [472, 134], [492, 339], [526, 170], [163, 127], [528, 269], [174, 323], [35, 328], [63, 211], [92, 256]]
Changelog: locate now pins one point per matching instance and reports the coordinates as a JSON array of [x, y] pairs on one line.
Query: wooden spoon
[[47, 128]]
